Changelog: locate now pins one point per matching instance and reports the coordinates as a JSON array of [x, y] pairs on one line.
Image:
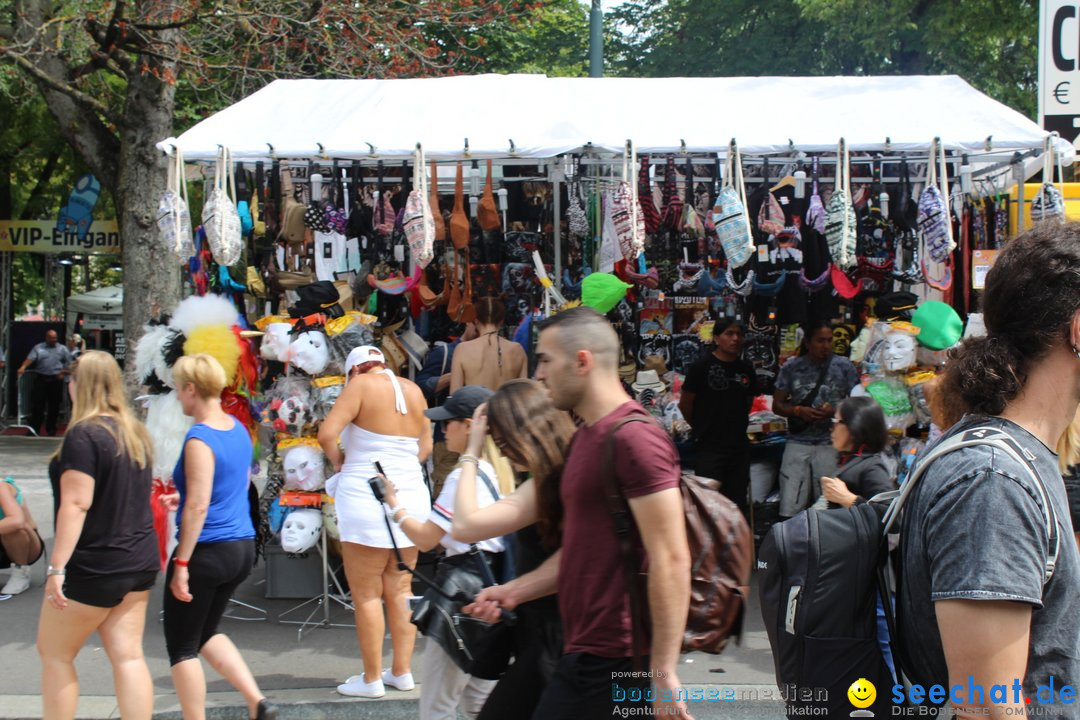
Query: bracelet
[[56, 571], [469, 458], [403, 518], [180, 563], [392, 511]]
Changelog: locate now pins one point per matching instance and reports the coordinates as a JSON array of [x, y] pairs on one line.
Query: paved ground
[[301, 671]]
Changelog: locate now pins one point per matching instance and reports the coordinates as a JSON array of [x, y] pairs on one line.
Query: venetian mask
[[309, 352], [301, 530], [275, 342], [303, 469]]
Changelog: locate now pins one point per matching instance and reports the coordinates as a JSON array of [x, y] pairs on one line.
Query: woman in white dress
[[384, 415]]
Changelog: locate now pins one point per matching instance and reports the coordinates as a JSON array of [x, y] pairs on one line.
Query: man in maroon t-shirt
[[577, 355]]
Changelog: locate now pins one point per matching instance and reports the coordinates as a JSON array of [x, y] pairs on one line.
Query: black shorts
[[5, 560], [107, 591]]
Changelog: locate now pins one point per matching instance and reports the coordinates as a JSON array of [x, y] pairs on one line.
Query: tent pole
[[556, 182]]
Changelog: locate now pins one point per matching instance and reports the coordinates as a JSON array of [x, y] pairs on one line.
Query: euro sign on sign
[[1059, 67]]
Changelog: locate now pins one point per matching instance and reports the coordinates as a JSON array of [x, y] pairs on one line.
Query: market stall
[[352, 205]]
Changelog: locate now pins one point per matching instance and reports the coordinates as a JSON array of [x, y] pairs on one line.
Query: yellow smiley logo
[[862, 693]]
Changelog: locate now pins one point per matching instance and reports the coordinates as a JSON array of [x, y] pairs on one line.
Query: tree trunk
[[151, 272]]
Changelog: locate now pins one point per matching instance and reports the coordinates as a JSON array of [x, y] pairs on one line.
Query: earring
[[1076, 351]]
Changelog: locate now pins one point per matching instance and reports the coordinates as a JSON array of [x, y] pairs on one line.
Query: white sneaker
[[398, 682], [19, 581], [356, 687]]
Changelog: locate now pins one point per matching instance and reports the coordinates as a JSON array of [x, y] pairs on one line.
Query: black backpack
[[820, 574]]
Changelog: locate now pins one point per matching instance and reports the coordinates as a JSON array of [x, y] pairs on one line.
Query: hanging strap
[[177, 184], [419, 176]]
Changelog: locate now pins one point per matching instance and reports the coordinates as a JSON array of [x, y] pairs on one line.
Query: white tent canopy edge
[[534, 116]]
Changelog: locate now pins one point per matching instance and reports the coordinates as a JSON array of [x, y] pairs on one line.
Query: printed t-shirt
[[723, 393], [973, 529], [799, 376]]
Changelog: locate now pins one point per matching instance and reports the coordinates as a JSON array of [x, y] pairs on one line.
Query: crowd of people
[[987, 589]]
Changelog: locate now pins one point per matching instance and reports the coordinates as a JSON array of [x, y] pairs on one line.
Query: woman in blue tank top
[[216, 540]]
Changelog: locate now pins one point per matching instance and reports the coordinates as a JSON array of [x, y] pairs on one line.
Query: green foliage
[[551, 38], [993, 44]]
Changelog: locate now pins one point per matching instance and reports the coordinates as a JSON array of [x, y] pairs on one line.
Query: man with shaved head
[[577, 360], [48, 363]]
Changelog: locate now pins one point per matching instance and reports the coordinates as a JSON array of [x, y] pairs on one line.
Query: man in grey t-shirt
[[973, 529], [48, 363]]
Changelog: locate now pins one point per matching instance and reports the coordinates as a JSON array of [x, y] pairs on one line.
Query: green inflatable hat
[[939, 325], [602, 291]]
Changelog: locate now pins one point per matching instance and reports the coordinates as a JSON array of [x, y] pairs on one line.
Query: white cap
[[361, 355]]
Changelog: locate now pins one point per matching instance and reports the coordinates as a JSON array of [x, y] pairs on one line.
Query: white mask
[[310, 352], [301, 530], [899, 352], [275, 342], [303, 469]]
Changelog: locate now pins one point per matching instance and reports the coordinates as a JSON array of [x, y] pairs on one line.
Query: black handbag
[[479, 648]]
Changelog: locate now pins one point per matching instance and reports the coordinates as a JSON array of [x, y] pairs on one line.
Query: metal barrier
[[22, 401]]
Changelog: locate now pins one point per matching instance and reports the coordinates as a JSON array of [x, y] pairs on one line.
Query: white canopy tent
[[534, 116], [102, 308]]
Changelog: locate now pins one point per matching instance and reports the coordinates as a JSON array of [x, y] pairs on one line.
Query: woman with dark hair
[[715, 400], [808, 389], [489, 360], [859, 434], [535, 436], [979, 596]]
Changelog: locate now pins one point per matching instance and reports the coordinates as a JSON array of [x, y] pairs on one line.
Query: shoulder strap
[[1001, 440], [812, 396], [624, 525], [487, 481]]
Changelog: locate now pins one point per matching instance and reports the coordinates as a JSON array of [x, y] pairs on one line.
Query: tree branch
[[48, 80]]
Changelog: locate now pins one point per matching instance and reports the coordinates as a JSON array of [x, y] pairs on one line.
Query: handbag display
[[174, 216], [459, 221], [220, 218], [487, 212]]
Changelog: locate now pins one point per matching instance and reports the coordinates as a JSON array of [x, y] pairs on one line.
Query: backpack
[[720, 549], [729, 213], [840, 224], [174, 217], [820, 574], [418, 220]]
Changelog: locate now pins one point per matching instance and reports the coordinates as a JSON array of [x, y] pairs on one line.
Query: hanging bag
[[649, 213], [626, 215], [905, 211], [174, 216], [418, 222], [671, 215], [383, 216], [220, 218], [459, 221], [815, 214], [1049, 203], [729, 214], [487, 212], [840, 224], [577, 219], [771, 216], [935, 224], [691, 221]]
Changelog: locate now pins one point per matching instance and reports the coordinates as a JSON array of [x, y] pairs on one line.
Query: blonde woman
[[104, 559], [1069, 458], [216, 541], [446, 685]]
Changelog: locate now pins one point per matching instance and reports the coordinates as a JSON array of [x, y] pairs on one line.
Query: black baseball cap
[[462, 404]]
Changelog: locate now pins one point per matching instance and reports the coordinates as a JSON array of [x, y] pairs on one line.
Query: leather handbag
[[487, 212], [459, 221]]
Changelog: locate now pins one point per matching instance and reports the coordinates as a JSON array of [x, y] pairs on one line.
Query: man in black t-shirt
[[715, 400]]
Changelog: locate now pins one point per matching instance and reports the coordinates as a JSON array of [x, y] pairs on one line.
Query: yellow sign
[[43, 236]]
